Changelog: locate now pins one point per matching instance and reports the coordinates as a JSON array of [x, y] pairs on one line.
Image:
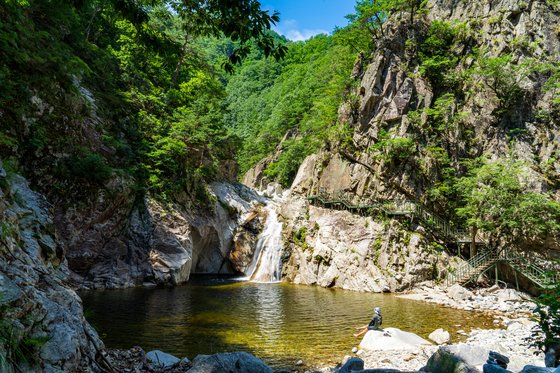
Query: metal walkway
[[342, 201], [468, 272], [479, 264]]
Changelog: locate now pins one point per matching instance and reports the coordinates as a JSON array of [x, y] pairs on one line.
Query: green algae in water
[[280, 323]]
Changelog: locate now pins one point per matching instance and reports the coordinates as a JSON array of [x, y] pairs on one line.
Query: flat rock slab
[[391, 339], [161, 359]]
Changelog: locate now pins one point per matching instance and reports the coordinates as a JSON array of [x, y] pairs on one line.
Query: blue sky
[[301, 19]]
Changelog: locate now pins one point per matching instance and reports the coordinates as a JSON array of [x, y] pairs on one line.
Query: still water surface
[[278, 322]]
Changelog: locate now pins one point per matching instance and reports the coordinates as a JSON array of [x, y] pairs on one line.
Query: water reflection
[[269, 313], [280, 323]]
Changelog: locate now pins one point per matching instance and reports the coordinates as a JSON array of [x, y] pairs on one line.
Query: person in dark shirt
[[374, 324], [376, 320]]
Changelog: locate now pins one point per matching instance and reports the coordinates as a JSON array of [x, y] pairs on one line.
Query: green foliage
[[151, 93], [300, 96], [242, 21], [284, 169], [548, 318], [392, 148], [366, 24], [300, 238], [503, 76], [90, 167], [435, 54], [487, 192]]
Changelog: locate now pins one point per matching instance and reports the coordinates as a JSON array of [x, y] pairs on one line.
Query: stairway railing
[[392, 207], [473, 268]]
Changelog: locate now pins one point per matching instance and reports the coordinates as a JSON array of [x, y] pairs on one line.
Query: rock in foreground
[[440, 336], [161, 359], [232, 362], [391, 339]]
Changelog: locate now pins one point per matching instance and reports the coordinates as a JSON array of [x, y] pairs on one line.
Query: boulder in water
[[391, 339], [231, 362]]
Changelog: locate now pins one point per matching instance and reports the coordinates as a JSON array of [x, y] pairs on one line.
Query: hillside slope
[[464, 96]]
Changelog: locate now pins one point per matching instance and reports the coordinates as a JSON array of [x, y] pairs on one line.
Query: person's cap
[[377, 309]]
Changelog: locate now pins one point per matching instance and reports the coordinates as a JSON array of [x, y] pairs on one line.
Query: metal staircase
[[343, 201], [479, 264], [538, 275], [468, 272], [473, 268]]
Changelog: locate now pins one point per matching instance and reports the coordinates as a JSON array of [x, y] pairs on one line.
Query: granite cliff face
[[121, 242], [41, 317], [395, 153]]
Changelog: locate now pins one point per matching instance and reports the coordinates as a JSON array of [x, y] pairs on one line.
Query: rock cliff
[[121, 242], [41, 317], [412, 124]]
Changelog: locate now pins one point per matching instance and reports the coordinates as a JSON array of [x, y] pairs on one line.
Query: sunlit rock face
[[149, 241], [338, 249], [41, 317], [348, 251]]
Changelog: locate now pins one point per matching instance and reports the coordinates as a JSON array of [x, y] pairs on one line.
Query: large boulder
[[460, 358], [459, 293], [508, 295], [440, 336], [231, 362], [391, 339]]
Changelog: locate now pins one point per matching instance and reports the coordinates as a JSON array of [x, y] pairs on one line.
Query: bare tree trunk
[[88, 29], [181, 61]]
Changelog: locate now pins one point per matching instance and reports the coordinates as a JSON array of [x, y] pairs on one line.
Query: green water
[[280, 323]]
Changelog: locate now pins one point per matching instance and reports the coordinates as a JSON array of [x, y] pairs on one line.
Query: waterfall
[[267, 262]]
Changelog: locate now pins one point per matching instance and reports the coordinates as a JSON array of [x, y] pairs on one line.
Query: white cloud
[[298, 35], [289, 28]]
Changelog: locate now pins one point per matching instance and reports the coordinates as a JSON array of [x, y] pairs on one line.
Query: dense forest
[[165, 87], [169, 96]]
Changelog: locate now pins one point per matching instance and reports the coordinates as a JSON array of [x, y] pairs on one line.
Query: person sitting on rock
[[374, 324], [376, 320]]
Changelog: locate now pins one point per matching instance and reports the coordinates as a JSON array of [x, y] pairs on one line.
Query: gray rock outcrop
[[232, 362], [339, 249], [42, 326], [460, 358], [141, 242]]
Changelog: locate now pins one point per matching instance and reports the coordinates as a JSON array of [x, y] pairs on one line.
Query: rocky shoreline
[[493, 299]]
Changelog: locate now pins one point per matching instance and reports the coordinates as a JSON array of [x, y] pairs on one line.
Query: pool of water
[[278, 322]]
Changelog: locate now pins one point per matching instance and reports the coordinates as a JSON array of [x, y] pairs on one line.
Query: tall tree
[[240, 20]]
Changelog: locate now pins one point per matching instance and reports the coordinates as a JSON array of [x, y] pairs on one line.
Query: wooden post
[[496, 272]]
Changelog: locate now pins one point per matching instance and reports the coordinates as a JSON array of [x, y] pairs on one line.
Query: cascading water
[[267, 263]]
